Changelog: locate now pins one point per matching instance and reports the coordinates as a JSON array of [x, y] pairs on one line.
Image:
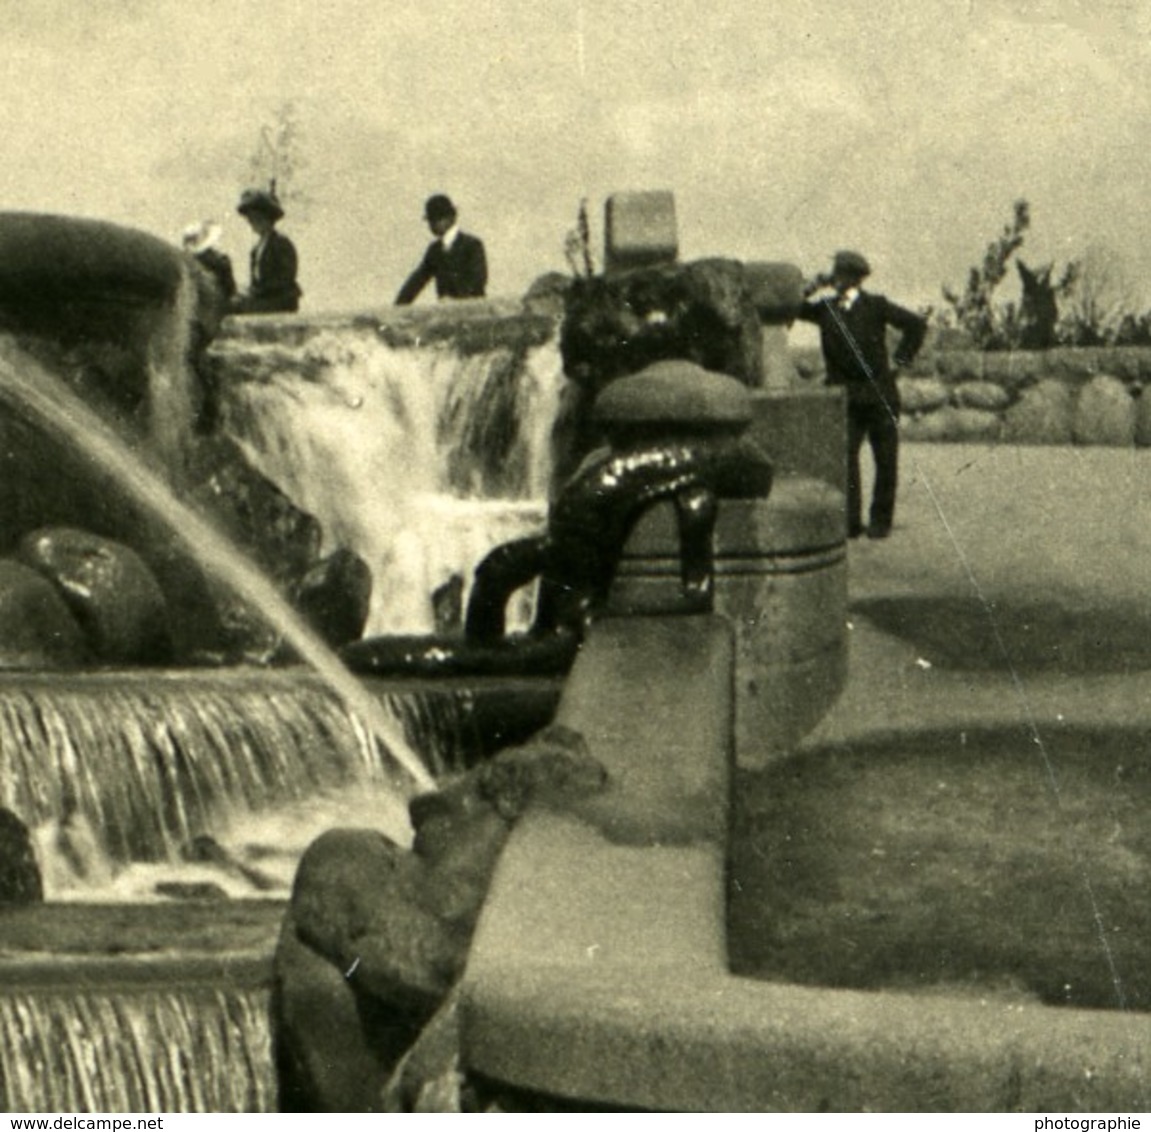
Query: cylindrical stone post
[[780, 563]]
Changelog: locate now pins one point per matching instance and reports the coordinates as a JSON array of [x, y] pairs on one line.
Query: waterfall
[[171, 401], [149, 760], [195, 1050], [439, 726], [122, 768], [33, 392], [419, 458]]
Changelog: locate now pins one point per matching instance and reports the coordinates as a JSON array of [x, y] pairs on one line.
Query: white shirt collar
[[847, 299], [449, 237]]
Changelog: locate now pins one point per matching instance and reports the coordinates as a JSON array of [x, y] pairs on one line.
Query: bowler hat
[[259, 200], [850, 263], [439, 207]]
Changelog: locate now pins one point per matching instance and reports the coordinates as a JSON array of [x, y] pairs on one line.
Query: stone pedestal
[[778, 368], [779, 562], [640, 230], [775, 289], [781, 579], [804, 431]]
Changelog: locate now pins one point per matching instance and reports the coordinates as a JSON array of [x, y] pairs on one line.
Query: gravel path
[[1014, 587]]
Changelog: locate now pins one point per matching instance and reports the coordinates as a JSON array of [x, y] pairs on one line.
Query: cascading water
[[137, 764], [148, 761], [118, 773], [30, 390], [171, 407], [420, 459], [150, 1051]]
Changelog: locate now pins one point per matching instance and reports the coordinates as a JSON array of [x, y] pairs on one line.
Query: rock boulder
[[1042, 415], [1105, 414], [394, 927], [335, 595], [110, 591], [37, 629]]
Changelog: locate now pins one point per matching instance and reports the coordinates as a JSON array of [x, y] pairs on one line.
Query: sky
[[905, 130]]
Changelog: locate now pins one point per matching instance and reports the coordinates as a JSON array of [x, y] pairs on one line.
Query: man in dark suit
[[273, 262], [455, 260], [853, 334]]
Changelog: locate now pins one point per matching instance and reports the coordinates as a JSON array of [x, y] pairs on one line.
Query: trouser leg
[[883, 436], [697, 510]]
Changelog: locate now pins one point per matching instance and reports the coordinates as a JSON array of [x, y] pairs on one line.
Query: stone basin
[[979, 863]]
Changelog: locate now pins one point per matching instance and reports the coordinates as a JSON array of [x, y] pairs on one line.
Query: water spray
[[29, 388]]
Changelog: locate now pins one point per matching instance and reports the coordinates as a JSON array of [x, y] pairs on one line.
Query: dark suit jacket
[[220, 268], [855, 345], [273, 274], [460, 272]]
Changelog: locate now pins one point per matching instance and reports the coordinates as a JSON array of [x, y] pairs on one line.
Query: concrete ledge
[[653, 698], [593, 892], [599, 970], [695, 1039], [124, 948], [470, 325]]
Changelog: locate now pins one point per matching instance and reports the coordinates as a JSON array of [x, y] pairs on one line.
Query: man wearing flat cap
[[853, 335], [454, 259], [273, 262]]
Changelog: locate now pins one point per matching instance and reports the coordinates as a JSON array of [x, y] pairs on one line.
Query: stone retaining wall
[[1061, 396]]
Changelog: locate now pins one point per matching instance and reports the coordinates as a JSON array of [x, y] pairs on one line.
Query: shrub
[[990, 325], [1088, 304]]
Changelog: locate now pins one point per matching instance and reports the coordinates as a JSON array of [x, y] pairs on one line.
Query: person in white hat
[[199, 241], [853, 334]]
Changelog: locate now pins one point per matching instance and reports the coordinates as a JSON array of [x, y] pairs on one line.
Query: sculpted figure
[[400, 933], [590, 522]]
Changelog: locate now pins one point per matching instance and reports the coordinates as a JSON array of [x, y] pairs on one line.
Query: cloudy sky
[[785, 130]]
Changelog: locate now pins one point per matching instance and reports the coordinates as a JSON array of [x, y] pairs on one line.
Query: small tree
[[1029, 324], [974, 310], [1100, 303], [278, 157]]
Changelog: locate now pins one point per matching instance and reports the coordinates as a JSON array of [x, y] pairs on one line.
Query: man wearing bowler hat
[[454, 259], [273, 262], [853, 334]]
